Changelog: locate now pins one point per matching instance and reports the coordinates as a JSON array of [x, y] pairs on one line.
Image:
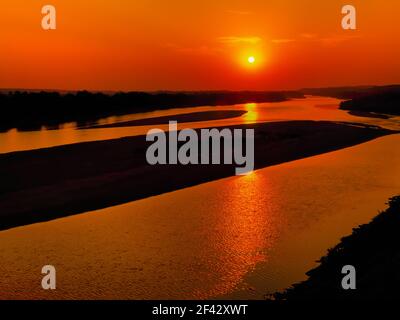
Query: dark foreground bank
[[373, 249], [41, 185]]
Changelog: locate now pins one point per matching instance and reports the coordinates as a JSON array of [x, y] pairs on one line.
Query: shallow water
[[239, 237]]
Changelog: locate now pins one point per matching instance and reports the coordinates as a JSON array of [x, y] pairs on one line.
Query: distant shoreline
[[32, 110], [46, 184]]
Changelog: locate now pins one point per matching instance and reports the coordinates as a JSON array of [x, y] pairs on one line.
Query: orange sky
[[197, 45]]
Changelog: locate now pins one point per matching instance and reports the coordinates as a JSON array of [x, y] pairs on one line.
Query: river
[[236, 238]]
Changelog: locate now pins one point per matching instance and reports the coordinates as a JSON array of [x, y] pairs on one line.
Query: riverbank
[[372, 249], [46, 184]]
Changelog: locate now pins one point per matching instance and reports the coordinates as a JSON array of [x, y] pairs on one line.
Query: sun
[[251, 60]]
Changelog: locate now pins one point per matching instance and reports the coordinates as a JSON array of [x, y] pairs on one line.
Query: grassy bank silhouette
[[373, 249]]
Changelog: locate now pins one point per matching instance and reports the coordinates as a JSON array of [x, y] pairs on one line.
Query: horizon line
[[8, 90]]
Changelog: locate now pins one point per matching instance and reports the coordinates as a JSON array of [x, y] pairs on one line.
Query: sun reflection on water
[[242, 234], [252, 113]]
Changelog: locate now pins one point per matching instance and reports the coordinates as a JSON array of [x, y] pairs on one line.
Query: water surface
[[239, 237]]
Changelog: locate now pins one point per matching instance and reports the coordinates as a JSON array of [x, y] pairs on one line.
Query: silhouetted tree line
[[31, 110], [388, 103], [350, 92]]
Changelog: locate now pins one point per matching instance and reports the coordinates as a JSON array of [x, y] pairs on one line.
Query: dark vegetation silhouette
[[373, 249], [350, 92], [363, 100], [32, 110], [388, 103]]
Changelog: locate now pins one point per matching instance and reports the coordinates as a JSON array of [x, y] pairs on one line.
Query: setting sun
[[251, 60]]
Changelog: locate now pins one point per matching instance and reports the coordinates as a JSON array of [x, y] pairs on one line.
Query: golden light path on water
[[240, 237]]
